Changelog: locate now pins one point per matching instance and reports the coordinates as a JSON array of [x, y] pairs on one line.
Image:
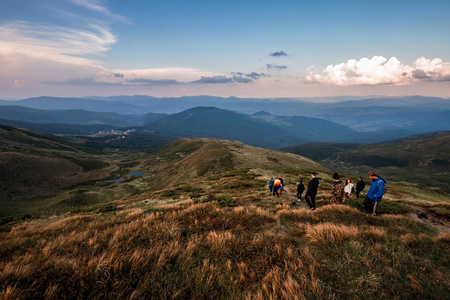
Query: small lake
[[131, 174], [136, 174], [117, 180]]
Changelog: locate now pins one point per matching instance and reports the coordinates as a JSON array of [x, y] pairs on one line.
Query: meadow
[[225, 237]]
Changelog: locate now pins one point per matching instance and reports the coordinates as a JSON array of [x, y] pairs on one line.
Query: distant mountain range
[[261, 129], [416, 114], [71, 116], [57, 128]]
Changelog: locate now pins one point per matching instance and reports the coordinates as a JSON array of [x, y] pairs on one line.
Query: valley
[[179, 208], [199, 222]]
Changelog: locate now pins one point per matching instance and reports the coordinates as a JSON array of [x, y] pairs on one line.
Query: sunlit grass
[[152, 247]]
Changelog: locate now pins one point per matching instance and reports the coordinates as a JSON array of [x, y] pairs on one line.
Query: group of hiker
[[339, 191], [276, 185]]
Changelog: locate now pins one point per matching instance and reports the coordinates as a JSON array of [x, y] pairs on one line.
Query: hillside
[[421, 159], [201, 224], [261, 129], [186, 159], [38, 165], [212, 122], [57, 174], [313, 129], [71, 116]]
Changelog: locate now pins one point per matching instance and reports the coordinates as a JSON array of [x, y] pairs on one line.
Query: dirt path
[[440, 223], [290, 198]]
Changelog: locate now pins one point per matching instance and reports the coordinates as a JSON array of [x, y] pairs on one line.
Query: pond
[[136, 174]]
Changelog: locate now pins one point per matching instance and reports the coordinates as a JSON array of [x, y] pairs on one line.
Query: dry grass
[[330, 233], [260, 249]]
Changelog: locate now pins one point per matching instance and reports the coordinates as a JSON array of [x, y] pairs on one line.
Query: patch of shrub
[[273, 159], [189, 188], [226, 162], [107, 208], [88, 164], [204, 169], [152, 210], [231, 185], [383, 207], [208, 198], [195, 195], [215, 177], [440, 209], [226, 201], [245, 184], [169, 193]]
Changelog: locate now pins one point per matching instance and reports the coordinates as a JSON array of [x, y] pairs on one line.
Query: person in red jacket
[[276, 187]]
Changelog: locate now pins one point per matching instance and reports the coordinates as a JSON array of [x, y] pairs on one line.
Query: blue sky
[[224, 48]]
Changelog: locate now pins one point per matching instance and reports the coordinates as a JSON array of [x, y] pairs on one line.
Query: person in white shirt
[[349, 187]]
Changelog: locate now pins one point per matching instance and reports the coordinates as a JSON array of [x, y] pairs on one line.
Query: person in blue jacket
[[375, 193], [271, 182]]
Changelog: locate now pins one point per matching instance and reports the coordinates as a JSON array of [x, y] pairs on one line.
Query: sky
[[246, 48]]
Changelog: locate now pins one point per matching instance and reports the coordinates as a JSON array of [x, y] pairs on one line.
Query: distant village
[[120, 133]]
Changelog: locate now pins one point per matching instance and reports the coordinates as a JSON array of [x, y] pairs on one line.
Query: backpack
[[384, 186]]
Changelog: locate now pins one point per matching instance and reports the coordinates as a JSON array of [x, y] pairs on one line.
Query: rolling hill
[[422, 159], [212, 122], [41, 173], [34, 164], [201, 224], [185, 159]]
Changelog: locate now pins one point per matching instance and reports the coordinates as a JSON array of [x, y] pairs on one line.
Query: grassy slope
[[221, 235], [42, 174], [422, 159]]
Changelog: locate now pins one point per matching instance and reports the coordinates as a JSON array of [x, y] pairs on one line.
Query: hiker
[[311, 192], [271, 182], [337, 191], [360, 186], [375, 193], [300, 189], [282, 184], [349, 188], [276, 187]]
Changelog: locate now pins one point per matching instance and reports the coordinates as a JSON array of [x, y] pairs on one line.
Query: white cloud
[[54, 43], [431, 69], [366, 71], [378, 70], [95, 5]]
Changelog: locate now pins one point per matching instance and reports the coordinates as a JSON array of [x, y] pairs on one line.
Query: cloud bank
[[379, 70]]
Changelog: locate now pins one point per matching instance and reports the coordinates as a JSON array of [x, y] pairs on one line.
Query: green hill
[[422, 159], [211, 122], [38, 165]]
